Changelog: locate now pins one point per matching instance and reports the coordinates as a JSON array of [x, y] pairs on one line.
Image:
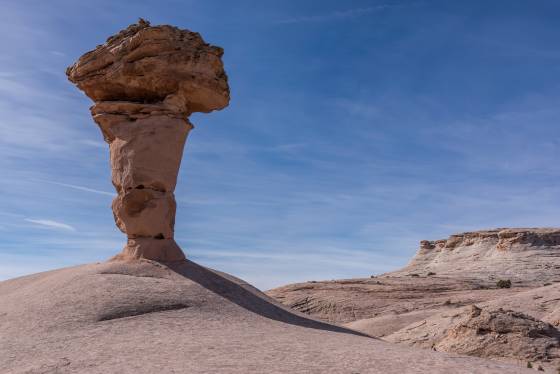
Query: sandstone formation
[[485, 332], [381, 305], [145, 317], [522, 255], [157, 314], [145, 82], [428, 303]]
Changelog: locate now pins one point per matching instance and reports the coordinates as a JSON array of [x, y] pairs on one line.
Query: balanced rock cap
[[155, 64]]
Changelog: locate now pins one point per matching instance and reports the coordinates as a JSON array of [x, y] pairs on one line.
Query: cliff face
[[513, 239], [524, 255]]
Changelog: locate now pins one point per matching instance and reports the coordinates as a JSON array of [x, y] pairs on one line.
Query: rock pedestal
[[145, 82]]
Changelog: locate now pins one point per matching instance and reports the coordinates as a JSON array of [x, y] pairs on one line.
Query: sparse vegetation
[[503, 283], [529, 365]]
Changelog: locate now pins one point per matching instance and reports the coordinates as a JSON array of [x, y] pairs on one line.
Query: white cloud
[[51, 224]]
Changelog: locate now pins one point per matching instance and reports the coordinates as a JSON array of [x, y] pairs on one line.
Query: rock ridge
[[505, 237], [528, 255]]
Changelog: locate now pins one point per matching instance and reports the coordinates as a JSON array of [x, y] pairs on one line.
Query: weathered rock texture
[[485, 332], [145, 82], [429, 303], [520, 254], [144, 317]]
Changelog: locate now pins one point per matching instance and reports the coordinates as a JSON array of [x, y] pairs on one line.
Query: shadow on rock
[[248, 297]]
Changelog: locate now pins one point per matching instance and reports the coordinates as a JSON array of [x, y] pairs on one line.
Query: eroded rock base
[[162, 250]]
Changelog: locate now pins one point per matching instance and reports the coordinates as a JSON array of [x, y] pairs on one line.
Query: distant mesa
[[145, 82], [519, 254]]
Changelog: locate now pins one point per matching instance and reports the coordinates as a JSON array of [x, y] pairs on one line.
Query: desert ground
[[144, 317], [448, 298]]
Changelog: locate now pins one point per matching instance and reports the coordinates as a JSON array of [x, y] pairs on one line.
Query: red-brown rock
[[145, 82]]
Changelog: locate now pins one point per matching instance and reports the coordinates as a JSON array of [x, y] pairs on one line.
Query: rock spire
[[145, 82]]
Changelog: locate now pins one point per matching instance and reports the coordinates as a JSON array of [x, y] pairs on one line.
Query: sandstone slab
[[145, 317]]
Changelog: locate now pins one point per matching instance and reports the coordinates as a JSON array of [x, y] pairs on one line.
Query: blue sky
[[355, 129]]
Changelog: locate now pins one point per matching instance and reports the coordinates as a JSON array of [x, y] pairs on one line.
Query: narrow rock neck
[[146, 144]]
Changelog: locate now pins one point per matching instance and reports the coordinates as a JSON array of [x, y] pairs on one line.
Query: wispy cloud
[[336, 15], [51, 224], [58, 53], [94, 143], [81, 188]]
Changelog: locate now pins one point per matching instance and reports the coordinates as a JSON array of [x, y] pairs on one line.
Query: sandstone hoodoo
[[151, 310], [145, 82]]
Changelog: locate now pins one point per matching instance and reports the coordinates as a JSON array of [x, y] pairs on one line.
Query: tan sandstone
[[429, 302], [145, 82], [143, 317]]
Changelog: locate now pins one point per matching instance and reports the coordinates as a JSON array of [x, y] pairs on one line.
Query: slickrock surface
[[425, 303], [144, 317], [381, 305], [486, 332], [145, 82]]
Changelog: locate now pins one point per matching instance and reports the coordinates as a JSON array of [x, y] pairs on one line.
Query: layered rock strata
[[524, 255], [448, 298], [485, 331], [145, 82]]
